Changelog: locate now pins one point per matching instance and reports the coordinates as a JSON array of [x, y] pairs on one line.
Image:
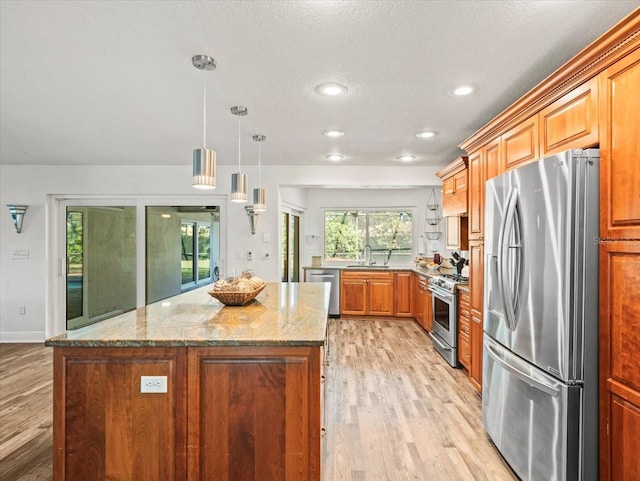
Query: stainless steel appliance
[[445, 315], [332, 276], [540, 371]]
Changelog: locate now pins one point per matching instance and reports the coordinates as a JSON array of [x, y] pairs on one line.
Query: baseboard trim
[[22, 336]]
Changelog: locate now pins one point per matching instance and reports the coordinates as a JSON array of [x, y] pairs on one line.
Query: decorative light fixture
[[406, 158], [426, 134], [253, 217], [259, 196], [239, 180], [331, 89], [17, 214], [333, 133], [204, 160]]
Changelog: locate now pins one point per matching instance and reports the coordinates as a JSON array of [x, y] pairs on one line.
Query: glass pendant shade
[[259, 200], [238, 187], [204, 169]]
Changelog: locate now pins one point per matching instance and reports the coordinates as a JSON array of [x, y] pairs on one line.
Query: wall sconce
[[17, 213], [253, 217]]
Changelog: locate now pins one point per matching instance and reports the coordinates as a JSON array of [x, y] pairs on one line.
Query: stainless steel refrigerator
[[540, 371]]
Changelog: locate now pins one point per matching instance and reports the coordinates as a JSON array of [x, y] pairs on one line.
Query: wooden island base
[[229, 413]]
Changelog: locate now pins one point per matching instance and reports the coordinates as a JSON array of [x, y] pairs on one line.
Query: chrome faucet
[[368, 261]]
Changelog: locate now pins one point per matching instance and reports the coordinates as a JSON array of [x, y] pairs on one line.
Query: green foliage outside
[[389, 233]]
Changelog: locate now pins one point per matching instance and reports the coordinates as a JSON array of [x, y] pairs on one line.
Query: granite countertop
[[463, 287], [283, 314]]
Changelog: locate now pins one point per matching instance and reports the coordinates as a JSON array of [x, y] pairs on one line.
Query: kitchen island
[[187, 388]]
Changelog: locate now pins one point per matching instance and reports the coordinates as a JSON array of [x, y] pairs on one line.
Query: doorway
[[290, 245]]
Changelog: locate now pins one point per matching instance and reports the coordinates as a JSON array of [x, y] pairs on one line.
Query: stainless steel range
[[445, 315]]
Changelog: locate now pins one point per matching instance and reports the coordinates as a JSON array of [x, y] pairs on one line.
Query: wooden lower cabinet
[[254, 414], [476, 293], [423, 305], [464, 346], [367, 293], [229, 413], [403, 293], [105, 428]]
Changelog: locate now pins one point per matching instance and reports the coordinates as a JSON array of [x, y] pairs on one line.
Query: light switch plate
[[20, 255], [153, 384]]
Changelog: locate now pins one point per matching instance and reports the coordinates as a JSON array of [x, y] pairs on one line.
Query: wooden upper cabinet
[[484, 164], [454, 187], [620, 148], [571, 122], [456, 233], [520, 144]]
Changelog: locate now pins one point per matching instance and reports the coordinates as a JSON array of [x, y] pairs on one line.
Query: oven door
[[444, 325], [444, 315]]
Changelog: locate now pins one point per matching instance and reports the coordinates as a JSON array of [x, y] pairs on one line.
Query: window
[[388, 232]]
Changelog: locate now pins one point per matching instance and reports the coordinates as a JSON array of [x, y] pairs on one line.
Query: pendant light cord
[[239, 169], [260, 164], [204, 120]]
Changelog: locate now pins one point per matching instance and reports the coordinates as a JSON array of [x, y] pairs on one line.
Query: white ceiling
[[111, 82]]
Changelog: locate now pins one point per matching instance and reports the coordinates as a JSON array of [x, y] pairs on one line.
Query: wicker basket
[[236, 298]]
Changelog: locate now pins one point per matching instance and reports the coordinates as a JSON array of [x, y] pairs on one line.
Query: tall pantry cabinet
[[620, 270]]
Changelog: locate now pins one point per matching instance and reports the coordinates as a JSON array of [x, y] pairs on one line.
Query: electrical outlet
[[153, 384], [265, 237], [249, 255], [266, 255]]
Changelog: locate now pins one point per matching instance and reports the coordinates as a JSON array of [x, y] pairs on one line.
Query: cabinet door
[[380, 296], [448, 186], [106, 428], [460, 181], [476, 286], [476, 195], [571, 122], [620, 149], [254, 413], [418, 300], [428, 310], [403, 294], [456, 233], [520, 144], [353, 295]]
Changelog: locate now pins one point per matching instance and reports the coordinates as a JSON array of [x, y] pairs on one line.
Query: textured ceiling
[[111, 82]]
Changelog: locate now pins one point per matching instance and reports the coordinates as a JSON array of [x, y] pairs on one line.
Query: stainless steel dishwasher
[[332, 276]]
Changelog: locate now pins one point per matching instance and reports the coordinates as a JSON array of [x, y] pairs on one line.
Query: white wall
[[30, 282]]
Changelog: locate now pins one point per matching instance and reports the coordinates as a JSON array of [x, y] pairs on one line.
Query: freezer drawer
[[532, 418]]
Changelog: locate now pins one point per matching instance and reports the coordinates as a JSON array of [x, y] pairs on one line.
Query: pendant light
[[239, 180], [204, 160], [259, 196]]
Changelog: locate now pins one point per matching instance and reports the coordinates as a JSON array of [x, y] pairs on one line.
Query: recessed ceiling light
[[334, 157], [406, 158], [333, 133], [426, 134], [462, 90], [331, 89]]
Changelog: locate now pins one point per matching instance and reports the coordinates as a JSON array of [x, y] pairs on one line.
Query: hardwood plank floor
[[394, 410], [26, 414]]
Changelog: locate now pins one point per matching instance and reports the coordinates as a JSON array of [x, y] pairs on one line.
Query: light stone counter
[[283, 314]]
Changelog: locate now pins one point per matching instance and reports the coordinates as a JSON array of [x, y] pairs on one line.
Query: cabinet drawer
[[368, 274], [463, 325]]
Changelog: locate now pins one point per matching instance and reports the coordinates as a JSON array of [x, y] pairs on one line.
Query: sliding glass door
[[290, 246]]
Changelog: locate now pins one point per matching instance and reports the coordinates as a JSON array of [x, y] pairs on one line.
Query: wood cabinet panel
[[254, 414], [428, 310], [625, 440], [464, 349], [403, 294], [620, 148], [367, 293], [571, 122], [423, 303], [476, 195], [105, 428], [520, 144], [476, 293], [454, 187]]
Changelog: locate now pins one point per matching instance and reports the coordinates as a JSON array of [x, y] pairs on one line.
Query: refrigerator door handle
[[523, 376], [509, 222]]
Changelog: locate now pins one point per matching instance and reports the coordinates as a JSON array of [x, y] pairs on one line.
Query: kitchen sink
[[363, 266]]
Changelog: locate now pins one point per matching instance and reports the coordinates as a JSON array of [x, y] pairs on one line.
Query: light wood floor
[[394, 411]]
